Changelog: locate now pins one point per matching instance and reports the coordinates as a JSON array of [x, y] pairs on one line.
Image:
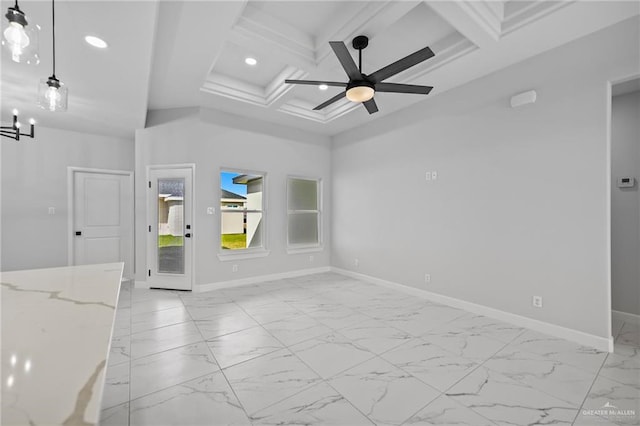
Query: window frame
[[305, 247], [249, 252]]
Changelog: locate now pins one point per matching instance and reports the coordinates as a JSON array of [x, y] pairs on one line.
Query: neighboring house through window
[[241, 210]]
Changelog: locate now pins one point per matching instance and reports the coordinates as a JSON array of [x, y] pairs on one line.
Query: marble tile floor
[[327, 349]]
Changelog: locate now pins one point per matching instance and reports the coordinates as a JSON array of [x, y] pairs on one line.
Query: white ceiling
[[173, 54], [626, 87]]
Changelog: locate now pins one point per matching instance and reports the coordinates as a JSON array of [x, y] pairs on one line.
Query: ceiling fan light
[[360, 93]]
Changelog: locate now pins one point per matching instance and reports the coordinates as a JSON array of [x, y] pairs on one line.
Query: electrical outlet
[[52, 210], [234, 268], [427, 278], [536, 301], [428, 176], [356, 262], [311, 258], [211, 210]]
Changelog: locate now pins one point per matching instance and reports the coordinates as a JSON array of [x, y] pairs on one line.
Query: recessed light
[[250, 61], [96, 42], [323, 87]]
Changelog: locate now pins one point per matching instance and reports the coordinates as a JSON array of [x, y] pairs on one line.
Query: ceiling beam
[[479, 21], [371, 19]]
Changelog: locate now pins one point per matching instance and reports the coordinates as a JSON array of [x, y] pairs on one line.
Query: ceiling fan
[[361, 87]]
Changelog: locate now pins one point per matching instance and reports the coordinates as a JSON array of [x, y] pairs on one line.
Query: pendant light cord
[[53, 20]]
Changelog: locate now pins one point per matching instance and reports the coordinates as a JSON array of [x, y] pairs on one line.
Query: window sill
[[298, 250], [241, 255]]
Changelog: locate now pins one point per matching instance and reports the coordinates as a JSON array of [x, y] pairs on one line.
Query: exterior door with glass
[[170, 239]]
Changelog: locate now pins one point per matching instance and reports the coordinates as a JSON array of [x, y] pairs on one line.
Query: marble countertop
[[56, 334]]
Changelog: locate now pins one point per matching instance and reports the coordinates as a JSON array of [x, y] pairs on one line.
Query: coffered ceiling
[[173, 54]]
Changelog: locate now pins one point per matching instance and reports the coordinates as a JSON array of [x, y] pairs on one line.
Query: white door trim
[[71, 171], [151, 220], [609, 166]]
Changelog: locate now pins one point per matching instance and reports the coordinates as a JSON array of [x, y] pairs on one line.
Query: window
[[303, 213], [241, 211], [170, 225]]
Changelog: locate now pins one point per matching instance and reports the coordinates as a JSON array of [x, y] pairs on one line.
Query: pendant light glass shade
[[19, 38], [52, 95]]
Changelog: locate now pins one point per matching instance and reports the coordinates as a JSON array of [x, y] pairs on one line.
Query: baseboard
[[626, 317], [259, 279], [580, 337]]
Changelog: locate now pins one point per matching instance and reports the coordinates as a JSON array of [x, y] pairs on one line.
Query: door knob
[[188, 235], [78, 233]]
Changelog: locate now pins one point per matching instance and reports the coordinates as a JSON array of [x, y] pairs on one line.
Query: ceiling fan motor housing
[[359, 83], [360, 42]]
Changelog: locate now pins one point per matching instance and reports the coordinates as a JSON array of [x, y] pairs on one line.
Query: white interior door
[[102, 219], [170, 246]]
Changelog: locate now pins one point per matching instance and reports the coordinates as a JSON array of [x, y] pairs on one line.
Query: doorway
[[170, 227], [100, 217], [625, 210]]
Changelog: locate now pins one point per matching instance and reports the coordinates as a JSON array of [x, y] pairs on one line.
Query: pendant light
[[52, 95], [19, 38]]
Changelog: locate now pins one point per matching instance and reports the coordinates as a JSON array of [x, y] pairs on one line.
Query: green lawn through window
[[229, 241], [170, 241], [233, 241]]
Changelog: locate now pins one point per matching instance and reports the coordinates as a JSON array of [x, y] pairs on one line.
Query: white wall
[[34, 178], [213, 140], [520, 204], [625, 203]]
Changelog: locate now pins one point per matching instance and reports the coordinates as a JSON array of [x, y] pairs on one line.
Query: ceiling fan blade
[[371, 106], [350, 67], [330, 101], [403, 88], [316, 83], [401, 65]]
